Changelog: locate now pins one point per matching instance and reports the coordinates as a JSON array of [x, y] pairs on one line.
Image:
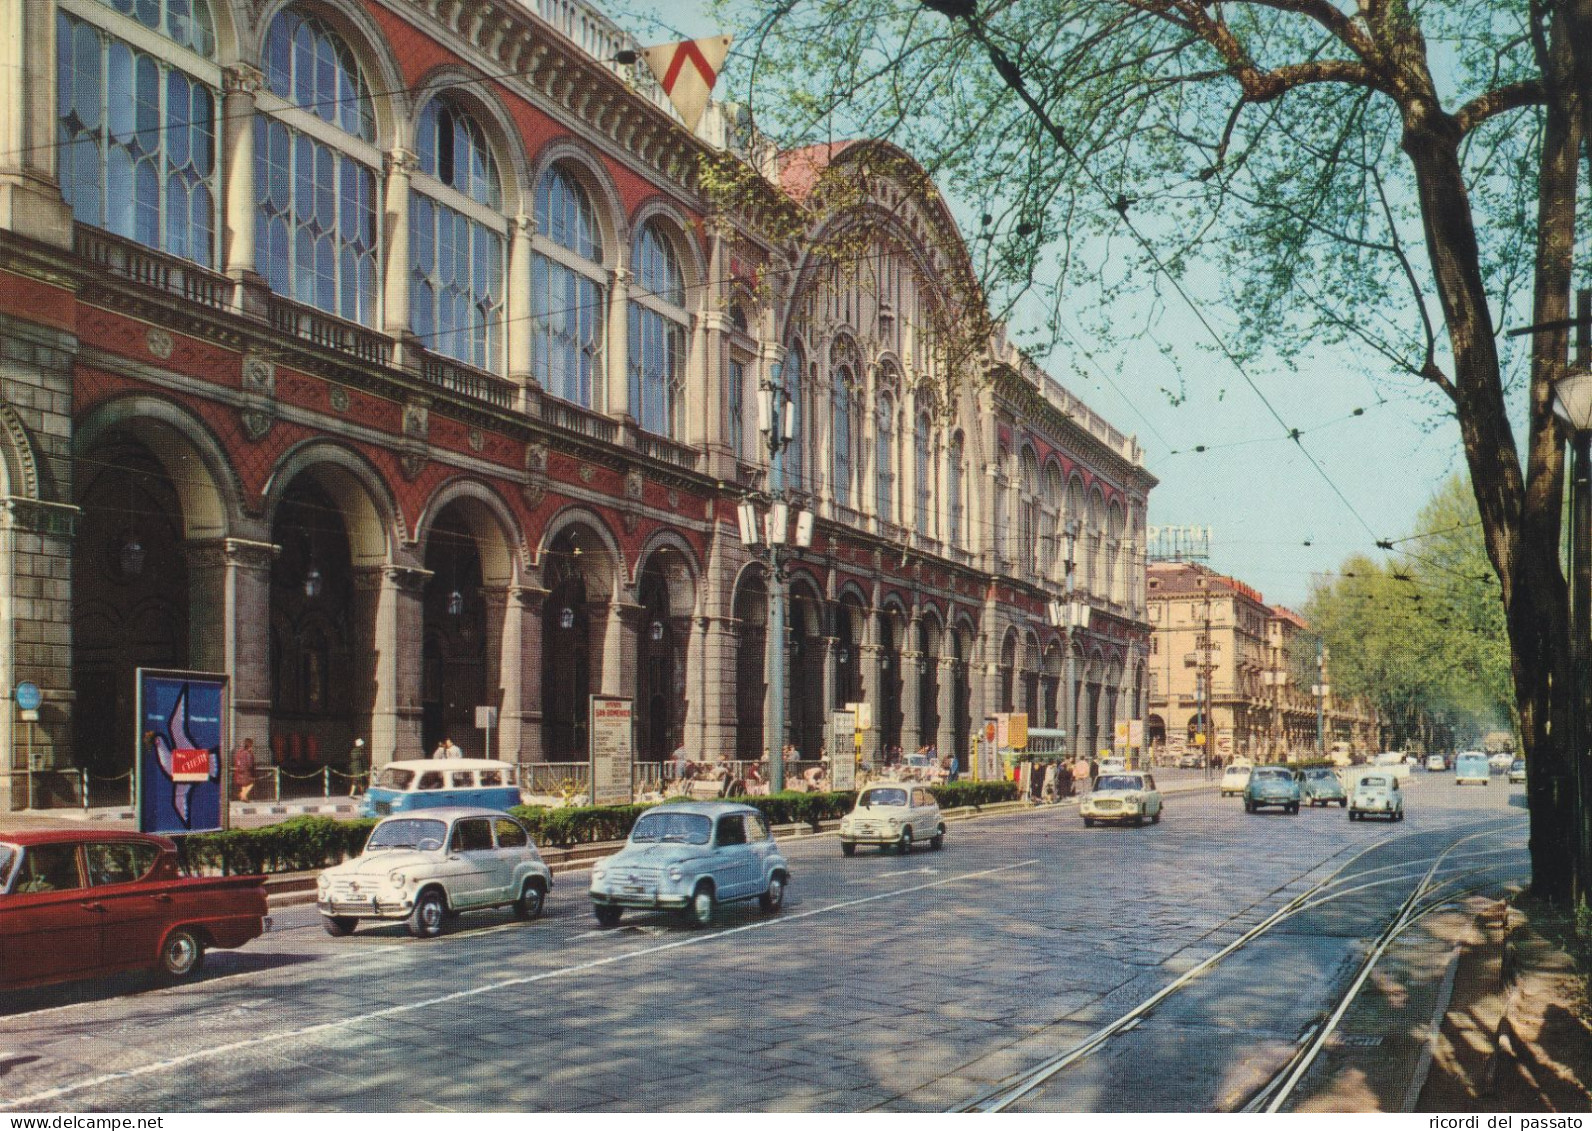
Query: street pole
[[1321, 699], [1208, 706], [1070, 532]]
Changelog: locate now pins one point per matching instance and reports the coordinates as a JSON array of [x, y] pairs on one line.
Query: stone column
[[388, 618], [620, 646], [618, 391], [229, 586], [719, 639], [521, 333], [240, 83], [395, 296], [911, 690], [30, 200], [714, 330], [526, 605], [945, 738]]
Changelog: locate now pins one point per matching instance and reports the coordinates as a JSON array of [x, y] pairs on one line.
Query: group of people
[[246, 769], [1055, 780]]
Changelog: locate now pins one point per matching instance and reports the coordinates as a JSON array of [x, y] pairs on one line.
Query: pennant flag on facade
[[687, 72]]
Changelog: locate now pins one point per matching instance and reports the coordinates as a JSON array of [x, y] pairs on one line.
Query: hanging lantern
[[455, 603], [312, 582], [655, 631], [130, 555], [566, 618]]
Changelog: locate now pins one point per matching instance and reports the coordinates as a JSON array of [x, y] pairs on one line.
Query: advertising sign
[[1136, 732], [1122, 734], [843, 749], [182, 740], [612, 750], [989, 762], [1003, 729], [1017, 730]]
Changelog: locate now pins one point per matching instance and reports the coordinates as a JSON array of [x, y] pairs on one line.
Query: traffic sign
[[28, 696]]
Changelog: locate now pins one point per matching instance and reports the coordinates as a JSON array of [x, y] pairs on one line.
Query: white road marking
[[166, 1066]]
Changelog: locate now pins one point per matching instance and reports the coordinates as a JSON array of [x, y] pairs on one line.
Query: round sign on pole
[[28, 696]]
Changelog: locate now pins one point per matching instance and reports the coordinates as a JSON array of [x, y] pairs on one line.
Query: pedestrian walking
[[447, 749], [1094, 774], [243, 770], [358, 766]]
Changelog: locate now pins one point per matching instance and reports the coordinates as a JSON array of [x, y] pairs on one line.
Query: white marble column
[[395, 296], [521, 333], [618, 399]]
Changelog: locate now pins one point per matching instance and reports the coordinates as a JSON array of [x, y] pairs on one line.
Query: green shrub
[[299, 844], [956, 794]]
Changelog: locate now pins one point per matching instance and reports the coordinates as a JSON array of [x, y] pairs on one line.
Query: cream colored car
[[1122, 797], [893, 814]]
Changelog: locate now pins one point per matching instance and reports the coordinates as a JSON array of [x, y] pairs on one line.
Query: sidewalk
[[122, 816]]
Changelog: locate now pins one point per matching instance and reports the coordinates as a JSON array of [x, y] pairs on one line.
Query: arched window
[[923, 473], [138, 129], [456, 230], [657, 334], [955, 490], [1002, 503], [1028, 512], [842, 426], [1049, 537], [568, 295], [884, 458], [315, 228]]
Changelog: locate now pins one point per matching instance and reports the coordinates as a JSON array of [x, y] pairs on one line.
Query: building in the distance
[[397, 358], [1245, 676]]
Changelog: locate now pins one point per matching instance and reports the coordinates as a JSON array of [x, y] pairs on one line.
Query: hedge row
[[303, 844]]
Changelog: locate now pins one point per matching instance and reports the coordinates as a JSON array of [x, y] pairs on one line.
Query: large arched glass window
[[657, 334], [884, 458], [1049, 534], [1002, 502], [568, 297], [138, 129], [315, 230], [923, 474], [955, 490], [842, 439], [456, 244], [1028, 512]]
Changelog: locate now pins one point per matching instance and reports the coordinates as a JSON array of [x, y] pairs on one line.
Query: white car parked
[[1376, 794], [1234, 779], [1122, 797], [427, 866], [893, 815]]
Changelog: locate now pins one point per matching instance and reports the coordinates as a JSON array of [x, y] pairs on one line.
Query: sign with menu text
[[613, 751]]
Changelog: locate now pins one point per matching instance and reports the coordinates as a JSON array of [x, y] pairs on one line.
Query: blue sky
[[1276, 519]]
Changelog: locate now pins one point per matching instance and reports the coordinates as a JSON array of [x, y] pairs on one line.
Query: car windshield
[[873, 797], [8, 857], [1119, 781], [408, 832], [672, 828], [1373, 783], [1517, 764], [1270, 774], [1238, 770], [394, 778], [1320, 775]]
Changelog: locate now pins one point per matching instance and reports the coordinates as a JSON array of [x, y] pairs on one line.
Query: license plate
[[631, 889]]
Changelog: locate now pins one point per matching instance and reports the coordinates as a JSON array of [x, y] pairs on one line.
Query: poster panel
[[843, 750], [1136, 732], [182, 742], [1017, 730], [612, 750]]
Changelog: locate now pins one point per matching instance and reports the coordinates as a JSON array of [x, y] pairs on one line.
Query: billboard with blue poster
[[181, 751]]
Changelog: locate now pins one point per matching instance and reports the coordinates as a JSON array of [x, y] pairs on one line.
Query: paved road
[[888, 983]]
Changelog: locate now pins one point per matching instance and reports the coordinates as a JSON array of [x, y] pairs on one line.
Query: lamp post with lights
[[776, 423], [1069, 615]]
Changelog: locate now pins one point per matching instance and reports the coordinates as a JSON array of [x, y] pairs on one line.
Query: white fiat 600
[[426, 867], [893, 815]]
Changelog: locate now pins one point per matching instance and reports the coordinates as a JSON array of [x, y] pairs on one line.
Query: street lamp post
[[1572, 402], [776, 422], [1069, 615], [1321, 690]]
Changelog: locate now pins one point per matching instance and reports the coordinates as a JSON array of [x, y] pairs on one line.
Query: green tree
[[1390, 176]]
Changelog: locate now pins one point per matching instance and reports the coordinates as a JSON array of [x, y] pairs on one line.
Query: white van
[[1471, 767]]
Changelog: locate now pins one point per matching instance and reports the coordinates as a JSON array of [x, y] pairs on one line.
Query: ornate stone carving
[[533, 494], [160, 342], [674, 499], [635, 485], [339, 398], [412, 464], [259, 375], [587, 473], [536, 456], [257, 422], [417, 421], [477, 440], [630, 521]]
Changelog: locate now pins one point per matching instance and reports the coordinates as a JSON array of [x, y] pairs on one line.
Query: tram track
[[1341, 884]]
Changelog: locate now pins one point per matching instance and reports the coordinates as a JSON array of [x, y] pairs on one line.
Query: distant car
[[1472, 769], [1499, 763], [691, 856], [1321, 786], [442, 783], [1378, 795], [1271, 785], [1234, 779], [1122, 797], [893, 815], [1517, 771], [1112, 766], [425, 867], [84, 903], [1436, 763], [1190, 762]]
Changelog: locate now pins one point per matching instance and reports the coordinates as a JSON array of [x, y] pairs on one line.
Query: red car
[[80, 904]]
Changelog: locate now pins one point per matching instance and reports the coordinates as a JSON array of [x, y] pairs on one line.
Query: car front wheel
[[531, 901], [182, 954], [848, 849], [904, 845], [607, 916], [339, 926], [700, 910], [425, 921], [1156, 819], [937, 841]]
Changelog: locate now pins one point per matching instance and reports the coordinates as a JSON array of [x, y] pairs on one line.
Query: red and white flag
[[687, 72]]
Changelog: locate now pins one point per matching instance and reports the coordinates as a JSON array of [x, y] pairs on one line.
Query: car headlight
[[895, 825], [396, 879], [323, 881], [676, 872], [599, 870]]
